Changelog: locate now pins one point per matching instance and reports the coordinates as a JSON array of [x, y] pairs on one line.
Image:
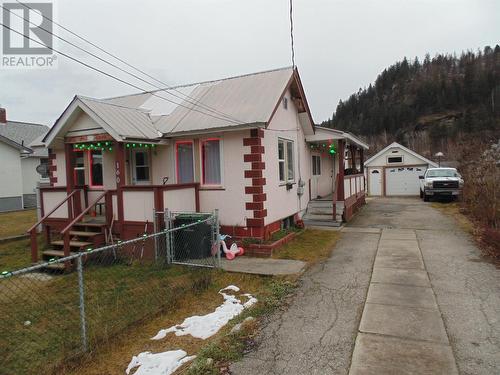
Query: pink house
[[246, 146]]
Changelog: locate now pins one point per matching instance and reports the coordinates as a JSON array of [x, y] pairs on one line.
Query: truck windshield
[[442, 173]]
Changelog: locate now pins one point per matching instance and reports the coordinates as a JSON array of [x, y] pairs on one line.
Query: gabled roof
[[21, 134], [243, 101], [397, 145]]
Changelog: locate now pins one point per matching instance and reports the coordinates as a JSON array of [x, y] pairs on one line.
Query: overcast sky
[[340, 45]]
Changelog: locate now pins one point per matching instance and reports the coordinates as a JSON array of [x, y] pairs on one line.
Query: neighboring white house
[[395, 171], [19, 159]]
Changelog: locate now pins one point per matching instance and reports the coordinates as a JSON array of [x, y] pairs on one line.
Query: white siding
[[30, 175], [12, 179], [408, 159], [231, 200], [282, 203]]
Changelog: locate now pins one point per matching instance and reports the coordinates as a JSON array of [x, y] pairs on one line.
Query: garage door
[[403, 180]]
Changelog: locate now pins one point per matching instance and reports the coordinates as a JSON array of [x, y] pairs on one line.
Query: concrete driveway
[[405, 291]]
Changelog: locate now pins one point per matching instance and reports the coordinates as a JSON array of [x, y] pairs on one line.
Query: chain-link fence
[[50, 319]]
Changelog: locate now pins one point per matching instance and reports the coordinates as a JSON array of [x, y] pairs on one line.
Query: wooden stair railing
[[32, 230], [65, 232]]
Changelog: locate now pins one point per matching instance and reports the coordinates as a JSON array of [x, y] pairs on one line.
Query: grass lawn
[[453, 209], [126, 305], [310, 246], [16, 223], [15, 255]]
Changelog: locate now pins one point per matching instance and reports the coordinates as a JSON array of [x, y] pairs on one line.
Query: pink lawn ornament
[[233, 250]]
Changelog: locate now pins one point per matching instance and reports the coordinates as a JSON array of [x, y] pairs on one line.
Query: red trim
[[254, 189], [247, 158], [177, 143], [88, 138], [252, 141], [254, 205]]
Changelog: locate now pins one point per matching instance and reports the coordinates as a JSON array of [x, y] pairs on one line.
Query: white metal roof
[[247, 99], [226, 104], [324, 134], [126, 122], [397, 145]]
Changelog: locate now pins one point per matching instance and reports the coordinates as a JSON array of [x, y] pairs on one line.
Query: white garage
[[395, 171]]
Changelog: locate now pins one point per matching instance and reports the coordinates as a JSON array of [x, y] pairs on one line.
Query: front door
[[140, 167], [316, 174], [375, 181]]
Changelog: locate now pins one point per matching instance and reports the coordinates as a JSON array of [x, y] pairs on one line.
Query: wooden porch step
[[89, 225], [71, 243], [83, 233], [56, 253]]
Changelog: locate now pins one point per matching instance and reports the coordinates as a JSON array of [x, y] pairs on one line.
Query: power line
[[112, 76], [291, 34], [194, 101]]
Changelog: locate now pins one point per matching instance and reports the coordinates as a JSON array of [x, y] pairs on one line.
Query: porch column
[[69, 158], [361, 160], [120, 181], [340, 186]]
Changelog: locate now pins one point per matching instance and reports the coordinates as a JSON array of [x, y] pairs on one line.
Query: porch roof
[[323, 134]]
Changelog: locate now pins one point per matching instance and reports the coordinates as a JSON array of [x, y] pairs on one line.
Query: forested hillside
[[446, 103], [428, 105]]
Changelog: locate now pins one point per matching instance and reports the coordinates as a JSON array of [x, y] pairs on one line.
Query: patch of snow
[[204, 326], [158, 363], [234, 288]]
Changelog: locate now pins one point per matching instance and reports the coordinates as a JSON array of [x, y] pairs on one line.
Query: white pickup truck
[[440, 182]]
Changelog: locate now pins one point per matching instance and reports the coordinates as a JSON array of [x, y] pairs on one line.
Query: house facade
[[245, 146], [19, 161]]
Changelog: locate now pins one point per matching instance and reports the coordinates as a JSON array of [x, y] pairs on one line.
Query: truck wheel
[[426, 198], [421, 194]]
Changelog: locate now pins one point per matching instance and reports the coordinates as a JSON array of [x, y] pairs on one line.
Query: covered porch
[[337, 185], [103, 189]]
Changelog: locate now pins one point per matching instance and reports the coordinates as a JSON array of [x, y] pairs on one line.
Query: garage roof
[[397, 145]]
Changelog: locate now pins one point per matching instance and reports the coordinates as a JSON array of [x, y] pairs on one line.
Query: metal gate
[[191, 238]]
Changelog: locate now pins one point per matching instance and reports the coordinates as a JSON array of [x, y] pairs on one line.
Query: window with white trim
[[394, 159], [140, 167], [79, 169], [211, 162], [286, 167]]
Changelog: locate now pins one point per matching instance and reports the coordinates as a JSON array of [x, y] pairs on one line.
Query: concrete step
[[321, 223], [320, 217], [320, 210], [56, 267], [319, 204]]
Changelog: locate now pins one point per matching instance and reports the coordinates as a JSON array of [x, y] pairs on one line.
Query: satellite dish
[[42, 169]]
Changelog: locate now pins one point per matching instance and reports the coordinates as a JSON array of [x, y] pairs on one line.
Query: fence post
[[81, 292], [155, 230], [168, 245], [217, 236]]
